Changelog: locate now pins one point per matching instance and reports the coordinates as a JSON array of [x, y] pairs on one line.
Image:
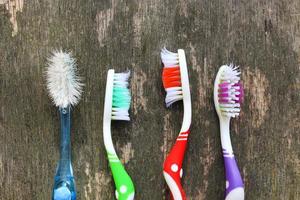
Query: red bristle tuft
[[171, 77]]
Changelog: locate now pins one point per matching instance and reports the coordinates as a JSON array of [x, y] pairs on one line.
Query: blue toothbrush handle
[[64, 184]]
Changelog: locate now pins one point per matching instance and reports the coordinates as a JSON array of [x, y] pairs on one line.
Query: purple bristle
[[224, 85], [240, 96], [231, 93], [224, 89], [224, 101], [223, 95]]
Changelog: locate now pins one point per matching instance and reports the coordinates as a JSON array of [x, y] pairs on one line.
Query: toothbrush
[[116, 106], [228, 94], [65, 90], [176, 83]]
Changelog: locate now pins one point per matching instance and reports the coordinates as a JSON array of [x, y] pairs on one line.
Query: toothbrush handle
[[64, 173], [173, 166], [123, 182], [234, 182], [64, 166]]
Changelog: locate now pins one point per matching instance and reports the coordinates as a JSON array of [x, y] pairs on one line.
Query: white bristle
[[169, 60], [173, 94], [231, 74], [62, 82], [121, 97]]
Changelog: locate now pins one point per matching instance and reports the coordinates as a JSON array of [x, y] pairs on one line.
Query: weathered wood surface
[[263, 37]]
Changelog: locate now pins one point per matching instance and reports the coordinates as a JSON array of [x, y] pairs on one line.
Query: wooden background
[[262, 36]]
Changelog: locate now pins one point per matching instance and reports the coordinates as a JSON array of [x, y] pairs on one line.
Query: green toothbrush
[[116, 106]]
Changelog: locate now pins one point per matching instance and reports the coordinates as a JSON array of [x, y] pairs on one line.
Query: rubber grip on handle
[[173, 166], [234, 182], [123, 182]]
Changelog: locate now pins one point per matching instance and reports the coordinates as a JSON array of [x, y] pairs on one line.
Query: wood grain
[[263, 37]]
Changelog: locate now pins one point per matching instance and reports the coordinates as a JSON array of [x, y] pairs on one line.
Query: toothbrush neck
[[187, 115], [107, 135], [225, 135], [65, 143]]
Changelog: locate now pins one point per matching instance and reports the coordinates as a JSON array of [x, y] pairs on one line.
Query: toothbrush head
[[174, 76], [228, 91], [62, 82], [117, 96], [62, 193]]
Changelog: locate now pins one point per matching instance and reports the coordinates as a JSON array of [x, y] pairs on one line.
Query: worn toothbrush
[[176, 83], [228, 94], [116, 106], [65, 90]]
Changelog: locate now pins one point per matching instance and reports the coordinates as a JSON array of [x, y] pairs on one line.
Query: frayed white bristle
[[231, 73], [62, 82], [168, 58]]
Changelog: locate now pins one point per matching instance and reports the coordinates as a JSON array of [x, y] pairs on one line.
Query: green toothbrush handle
[[123, 182]]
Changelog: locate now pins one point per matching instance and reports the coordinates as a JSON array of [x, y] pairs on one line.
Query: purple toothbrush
[[228, 94]]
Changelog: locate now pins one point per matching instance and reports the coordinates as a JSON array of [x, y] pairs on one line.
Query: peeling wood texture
[[13, 6], [263, 37]]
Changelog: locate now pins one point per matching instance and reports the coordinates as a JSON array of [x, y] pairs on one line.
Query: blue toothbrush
[[65, 90]]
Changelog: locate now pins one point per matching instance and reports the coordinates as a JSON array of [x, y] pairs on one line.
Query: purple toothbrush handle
[[233, 176]]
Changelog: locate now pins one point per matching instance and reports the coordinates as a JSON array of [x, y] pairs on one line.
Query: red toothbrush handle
[[173, 166]]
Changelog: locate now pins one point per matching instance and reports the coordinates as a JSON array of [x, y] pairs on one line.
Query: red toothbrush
[[176, 83]]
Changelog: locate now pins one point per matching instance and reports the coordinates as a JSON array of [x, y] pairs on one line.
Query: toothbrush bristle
[[63, 84], [230, 91], [171, 76], [121, 97]]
